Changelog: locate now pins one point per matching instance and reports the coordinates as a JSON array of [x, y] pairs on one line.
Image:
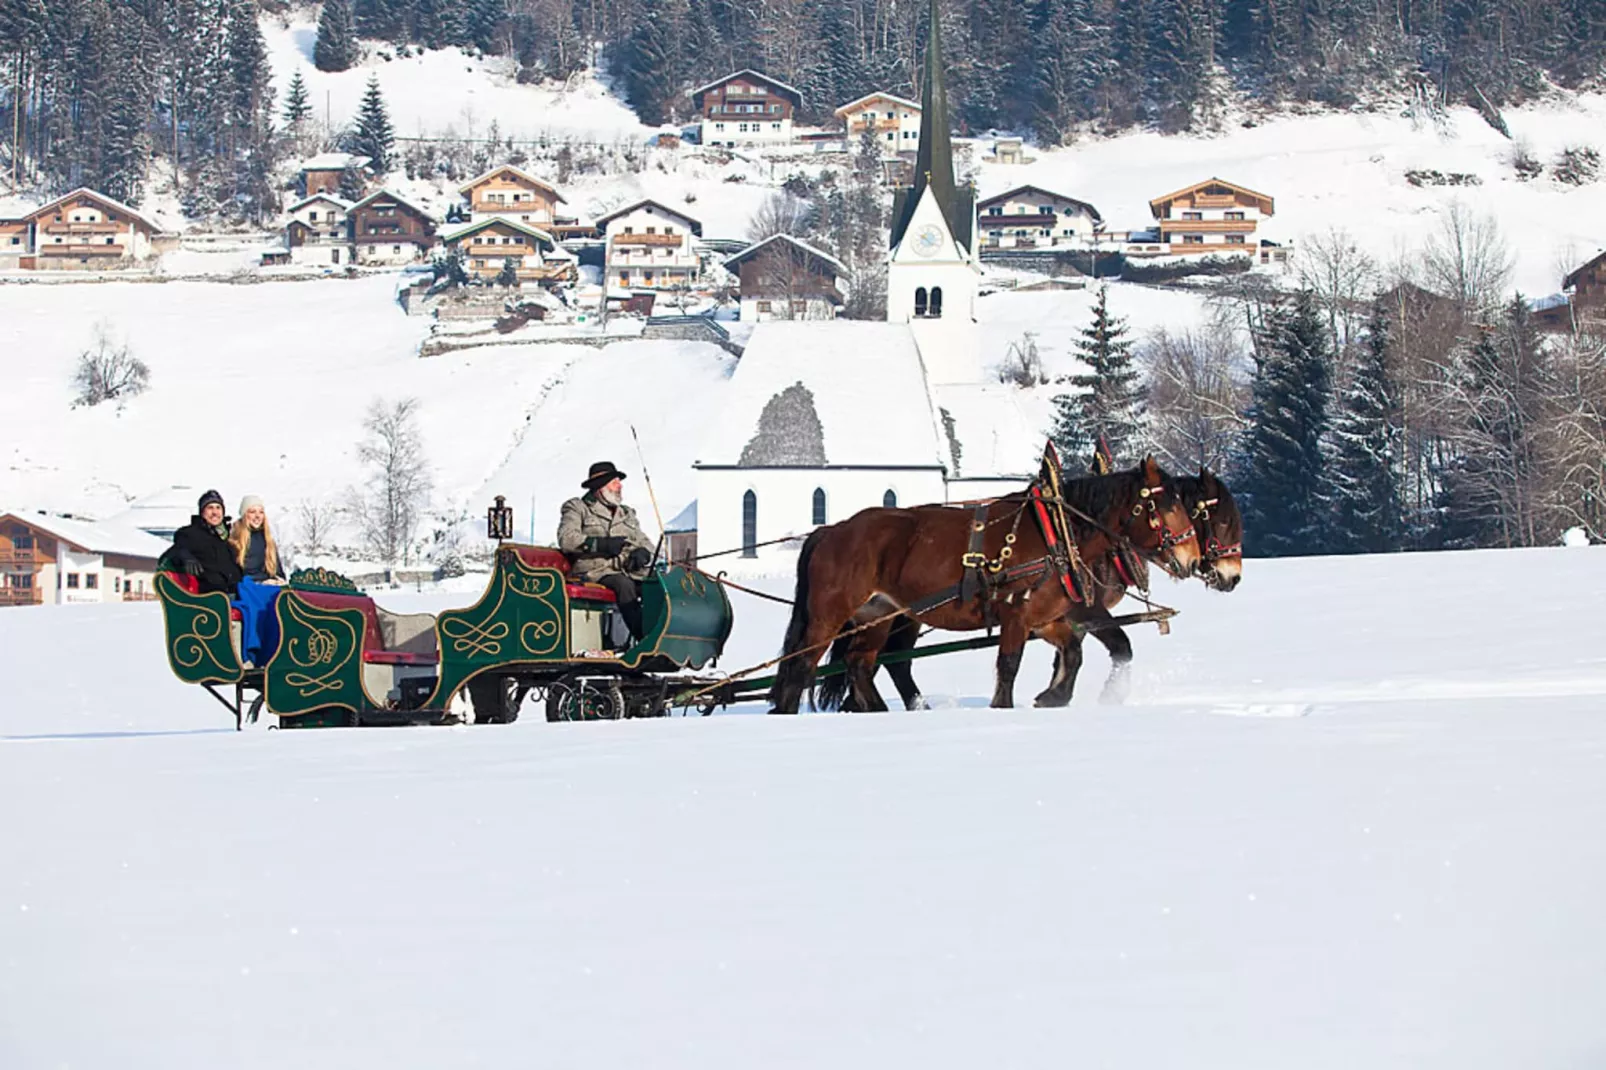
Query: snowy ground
[[1349, 817]]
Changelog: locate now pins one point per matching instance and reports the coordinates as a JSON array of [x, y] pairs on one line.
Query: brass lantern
[[499, 521]]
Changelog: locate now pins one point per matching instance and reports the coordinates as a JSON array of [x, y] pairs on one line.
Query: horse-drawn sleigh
[[1050, 561]]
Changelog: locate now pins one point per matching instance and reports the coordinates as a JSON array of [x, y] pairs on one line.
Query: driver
[[605, 540]]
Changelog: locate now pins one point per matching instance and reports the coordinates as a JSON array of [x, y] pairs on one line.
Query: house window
[[763, 306], [1048, 233], [22, 542], [1193, 239], [652, 230], [1045, 209], [1234, 215], [775, 126], [92, 581], [312, 217], [1235, 239], [818, 517], [22, 581], [749, 524], [117, 585], [72, 580], [996, 209], [936, 302], [889, 135], [920, 301], [889, 500], [1192, 215], [629, 230], [108, 241]]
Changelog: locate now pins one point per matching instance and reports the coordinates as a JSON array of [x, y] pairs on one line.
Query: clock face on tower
[[928, 239]]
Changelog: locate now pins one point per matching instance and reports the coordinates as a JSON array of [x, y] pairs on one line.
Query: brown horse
[[1218, 526], [888, 562]]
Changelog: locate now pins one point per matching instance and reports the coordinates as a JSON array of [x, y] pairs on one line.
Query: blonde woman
[[253, 545]]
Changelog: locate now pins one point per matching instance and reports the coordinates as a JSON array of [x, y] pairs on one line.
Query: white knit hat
[[248, 501]]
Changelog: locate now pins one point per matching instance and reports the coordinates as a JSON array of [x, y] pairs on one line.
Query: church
[[822, 419]]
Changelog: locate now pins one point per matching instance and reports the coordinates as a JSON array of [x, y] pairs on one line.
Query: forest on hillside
[[92, 90]]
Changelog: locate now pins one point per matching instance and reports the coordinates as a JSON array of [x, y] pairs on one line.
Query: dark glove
[[638, 560], [192, 567], [606, 545]]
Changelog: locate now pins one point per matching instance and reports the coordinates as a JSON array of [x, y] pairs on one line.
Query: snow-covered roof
[[685, 520], [96, 537], [167, 509], [1539, 304], [831, 393], [819, 254], [1019, 190], [109, 202], [748, 72], [374, 196], [344, 206], [334, 161], [510, 169], [603, 220], [994, 436], [1159, 202], [490, 221], [852, 104]]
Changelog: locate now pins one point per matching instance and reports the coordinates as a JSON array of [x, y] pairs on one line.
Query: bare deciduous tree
[[782, 213], [1198, 393], [314, 524], [108, 371], [1333, 267], [792, 281], [398, 485], [1467, 259], [1577, 438], [1022, 364]]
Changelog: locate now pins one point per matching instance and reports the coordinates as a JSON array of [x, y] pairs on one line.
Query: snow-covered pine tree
[[251, 144], [385, 20], [374, 137], [1366, 447], [336, 48], [482, 24], [436, 23], [1283, 463], [297, 108], [1109, 402]]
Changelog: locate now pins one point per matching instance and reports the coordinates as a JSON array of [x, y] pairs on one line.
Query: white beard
[[609, 497]]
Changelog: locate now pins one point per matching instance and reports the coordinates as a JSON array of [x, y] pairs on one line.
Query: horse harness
[[1214, 549]]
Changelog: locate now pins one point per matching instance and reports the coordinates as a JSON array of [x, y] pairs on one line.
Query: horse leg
[[905, 632], [1119, 682], [1011, 642], [1067, 645]]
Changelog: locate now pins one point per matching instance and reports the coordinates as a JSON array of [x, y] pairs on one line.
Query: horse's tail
[[832, 690], [793, 673]]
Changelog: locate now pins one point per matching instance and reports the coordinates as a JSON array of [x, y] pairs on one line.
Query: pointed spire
[[935, 165]]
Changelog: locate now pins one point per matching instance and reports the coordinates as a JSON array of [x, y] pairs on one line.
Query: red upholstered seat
[[546, 557], [373, 639]]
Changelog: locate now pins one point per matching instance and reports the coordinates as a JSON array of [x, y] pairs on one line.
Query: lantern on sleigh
[[499, 521]]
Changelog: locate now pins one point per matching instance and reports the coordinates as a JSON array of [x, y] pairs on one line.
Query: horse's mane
[[1191, 489], [1099, 496]]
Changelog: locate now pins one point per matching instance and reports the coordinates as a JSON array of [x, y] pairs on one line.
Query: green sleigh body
[[342, 660]]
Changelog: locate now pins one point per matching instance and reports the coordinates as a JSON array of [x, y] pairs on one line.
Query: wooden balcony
[[648, 239], [21, 596], [1214, 200], [1208, 226], [14, 559], [81, 249], [139, 596], [1037, 220], [100, 227]]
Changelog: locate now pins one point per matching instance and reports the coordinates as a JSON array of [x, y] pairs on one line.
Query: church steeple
[[934, 166]]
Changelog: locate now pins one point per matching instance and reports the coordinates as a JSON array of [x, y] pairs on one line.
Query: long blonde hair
[[240, 539]]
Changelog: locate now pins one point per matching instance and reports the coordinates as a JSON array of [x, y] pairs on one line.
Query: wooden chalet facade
[[485, 246], [1213, 216], [319, 231], [783, 278], [510, 192], [1030, 217], [387, 230], [1582, 300], [48, 560], [650, 246], [894, 120], [322, 173], [746, 108], [83, 231], [1588, 284]]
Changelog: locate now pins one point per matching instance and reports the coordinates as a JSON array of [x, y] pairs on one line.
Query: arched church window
[[819, 506], [936, 302], [749, 524], [889, 500], [920, 301]]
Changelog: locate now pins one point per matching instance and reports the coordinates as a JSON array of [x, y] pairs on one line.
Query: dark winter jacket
[[256, 559], [209, 548]]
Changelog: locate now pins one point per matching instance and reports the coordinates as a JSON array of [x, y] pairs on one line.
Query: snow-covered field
[[1349, 817]]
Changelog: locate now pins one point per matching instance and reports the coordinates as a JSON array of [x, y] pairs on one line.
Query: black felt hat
[[602, 473]]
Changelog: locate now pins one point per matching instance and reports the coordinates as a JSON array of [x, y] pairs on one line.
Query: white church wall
[[785, 499]]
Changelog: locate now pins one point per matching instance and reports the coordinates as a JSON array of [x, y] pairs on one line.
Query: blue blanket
[[259, 624]]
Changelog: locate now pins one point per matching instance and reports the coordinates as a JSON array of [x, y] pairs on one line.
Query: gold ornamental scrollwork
[[474, 640], [195, 642], [316, 652], [531, 636]]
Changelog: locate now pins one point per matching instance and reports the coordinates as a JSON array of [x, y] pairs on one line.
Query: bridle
[[1213, 548], [1170, 538]]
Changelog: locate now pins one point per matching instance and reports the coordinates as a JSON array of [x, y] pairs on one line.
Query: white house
[[54, 560], [83, 230], [1030, 217], [1210, 217], [318, 231], [508, 192], [823, 419], [649, 245], [896, 121]]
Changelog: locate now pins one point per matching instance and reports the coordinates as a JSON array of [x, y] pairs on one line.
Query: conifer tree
[[374, 137], [1109, 403], [336, 49], [1283, 463], [1367, 446], [297, 108]]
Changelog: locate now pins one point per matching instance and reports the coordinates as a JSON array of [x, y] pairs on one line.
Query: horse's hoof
[[1049, 700], [787, 712]]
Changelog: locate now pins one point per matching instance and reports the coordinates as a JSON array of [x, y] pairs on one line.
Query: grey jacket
[[588, 517]]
